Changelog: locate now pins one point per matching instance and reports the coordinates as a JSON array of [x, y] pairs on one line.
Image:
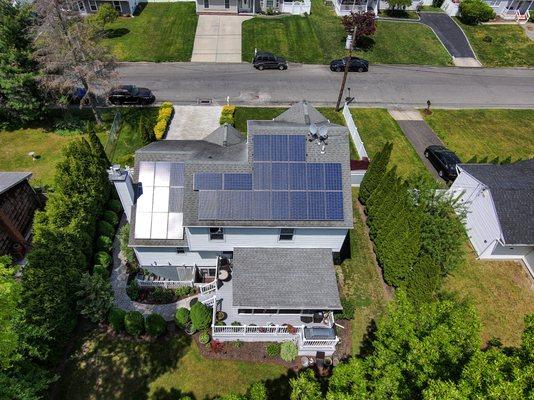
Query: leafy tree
[[305, 386], [155, 324], [116, 319], [10, 294], [348, 381], [473, 12], [124, 238], [359, 25], [134, 323], [95, 297], [106, 14], [257, 392], [399, 4], [19, 98], [200, 316]]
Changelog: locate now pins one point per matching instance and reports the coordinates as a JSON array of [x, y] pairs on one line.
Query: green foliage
[[103, 258], [114, 205], [399, 4], [116, 319], [288, 351], [423, 281], [305, 386], [104, 243], [111, 217], [204, 337], [238, 344], [155, 324], [95, 297], [106, 229], [133, 290], [101, 270], [19, 96], [164, 118], [377, 168], [106, 14], [181, 318], [200, 316], [134, 323], [348, 381], [437, 3], [124, 238], [183, 291], [349, 307], [10, 294], [272, 349], [257, 391], [227, 115], [473, 12], [162, 295]]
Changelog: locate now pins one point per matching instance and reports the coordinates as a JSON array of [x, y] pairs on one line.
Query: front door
[[245, 6]]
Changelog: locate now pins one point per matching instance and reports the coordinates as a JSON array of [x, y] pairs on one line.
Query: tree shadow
[[366, 346], [279, 388], [115, 33], [365, 43], [173, 394], [139, 9]]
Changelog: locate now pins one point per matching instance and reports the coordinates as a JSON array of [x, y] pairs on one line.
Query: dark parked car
[[130, 94], [263, 60], [444, 160], [355, 64]]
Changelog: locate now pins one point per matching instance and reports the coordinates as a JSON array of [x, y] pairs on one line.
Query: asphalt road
[[382, 86]]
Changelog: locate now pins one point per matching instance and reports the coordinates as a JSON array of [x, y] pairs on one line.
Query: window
[[290, 312], [216, 234], [92, 5], [226, 3], [206, 3], [244, 311], [180, 250], [117, 6], [81, 6], [270, 3], [286, 234]]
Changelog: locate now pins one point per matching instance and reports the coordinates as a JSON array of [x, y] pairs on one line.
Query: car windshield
[[132, 89]]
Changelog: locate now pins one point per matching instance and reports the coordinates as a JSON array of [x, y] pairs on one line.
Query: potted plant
[[291, 329], [220, 316], [328, 361], [189, 329]]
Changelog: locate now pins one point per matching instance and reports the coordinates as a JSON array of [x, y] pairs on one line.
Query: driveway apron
[[218, 38], [450, 34]]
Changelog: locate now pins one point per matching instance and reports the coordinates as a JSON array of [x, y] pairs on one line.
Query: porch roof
[[284, 278]]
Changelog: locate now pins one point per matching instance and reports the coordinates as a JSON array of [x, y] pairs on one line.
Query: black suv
[[444, 160], [130, 94], [263, 60], [355, 64]]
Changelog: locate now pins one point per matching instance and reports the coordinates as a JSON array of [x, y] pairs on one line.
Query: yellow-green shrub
[[164, 113], [160, 128], [166, 104], [164, 117], [227, 115]]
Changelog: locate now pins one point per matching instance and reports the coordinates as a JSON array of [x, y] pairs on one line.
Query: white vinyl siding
[[265, 237], [165, 256]]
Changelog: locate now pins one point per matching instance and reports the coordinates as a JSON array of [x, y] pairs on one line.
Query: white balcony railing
[[296, 7], [327, 343], [254, 330], [164, 283], [208, 288], [345, 9]]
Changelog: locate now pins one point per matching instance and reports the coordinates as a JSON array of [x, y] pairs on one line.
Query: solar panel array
[[159, 209], [282, 186]]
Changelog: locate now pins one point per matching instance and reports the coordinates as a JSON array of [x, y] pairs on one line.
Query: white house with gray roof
[[253, 221], [499, 200]]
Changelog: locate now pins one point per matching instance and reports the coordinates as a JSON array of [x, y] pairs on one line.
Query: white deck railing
[[296, 7], [254, 330], [167, 284], [308, 344], [346, 9], [208, 288]]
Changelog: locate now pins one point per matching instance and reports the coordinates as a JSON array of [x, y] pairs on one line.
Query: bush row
[[164, 118], [227, 115], [135, 324]]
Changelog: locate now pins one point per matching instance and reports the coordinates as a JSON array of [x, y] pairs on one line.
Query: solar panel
[[207, 181], [316, 206], [161, 199], [177, 174], [315, 174], [297, 176], [333, 179], [236, 181], [144, 202], [143, 222], [279, 148], [297, 148], [298, 208], [224, 205], [262, 175], [334, 205], [146, 173], [262, 147], [175, 227], [176, 199], [280, 205], [208, 204], [241, 205], [159, 225], [279, 176], [162, 174], [261, 205]]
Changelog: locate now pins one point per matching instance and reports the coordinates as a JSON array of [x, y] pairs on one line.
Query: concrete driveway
[[218, 38]]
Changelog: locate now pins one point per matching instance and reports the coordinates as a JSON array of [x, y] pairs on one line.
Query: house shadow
[[115, 33], [139, 9], [279, 388], [366, 346]]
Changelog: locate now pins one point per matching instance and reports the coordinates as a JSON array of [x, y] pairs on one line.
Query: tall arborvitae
[[388, 208], [423, 281], [378, 197], [377, 168]]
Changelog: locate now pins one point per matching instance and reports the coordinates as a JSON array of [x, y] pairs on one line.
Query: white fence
[[252, 330], [356, 139], [296, 7], [167, 284], [346, 9], [450, 7]]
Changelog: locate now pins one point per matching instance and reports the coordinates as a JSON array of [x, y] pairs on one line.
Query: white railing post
[[353, 130]]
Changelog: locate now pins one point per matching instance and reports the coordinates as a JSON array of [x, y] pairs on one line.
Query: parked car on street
[[444, 160], [263, 60], [130, 94], [355, 64]]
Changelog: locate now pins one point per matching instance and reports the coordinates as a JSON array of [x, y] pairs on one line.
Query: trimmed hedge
[[106, 229], [473, 12], [288, 351], [200, 316], [272, 349], [133, 291], [103, 258], [115, 206], [104, 243], [227, 115], [164, 118], [134, 323], [110, 217], [181, 318], [101, 270], [155, 324], [204, 337], [116, 319]]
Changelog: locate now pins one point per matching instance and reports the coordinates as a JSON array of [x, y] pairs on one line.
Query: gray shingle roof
[[225, 135], [297, 114], [10, 179], [512, 190], [284, 278]]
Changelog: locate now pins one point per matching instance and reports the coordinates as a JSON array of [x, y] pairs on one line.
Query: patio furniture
[[318, 317], [307, 319]]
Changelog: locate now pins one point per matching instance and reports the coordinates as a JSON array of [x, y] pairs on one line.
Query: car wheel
[[338, 69], [360, 69], [426, 154], [260, 67], [281, 67]]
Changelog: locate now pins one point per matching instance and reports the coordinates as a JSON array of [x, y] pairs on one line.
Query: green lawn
[[243, 114], [491, 133], [320, 37], [47, 144], [360, 280], [113, 368], [377, 127], [162, 32], [500, 45]]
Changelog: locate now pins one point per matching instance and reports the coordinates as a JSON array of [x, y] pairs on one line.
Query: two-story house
[[254, 221]]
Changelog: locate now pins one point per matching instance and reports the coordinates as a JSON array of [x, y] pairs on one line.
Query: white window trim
[[216, 240], [286, 240], [82, 8], [93, 6]]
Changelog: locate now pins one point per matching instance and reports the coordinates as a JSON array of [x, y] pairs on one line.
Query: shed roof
[[10, 179], [285, 278], [512, 190]]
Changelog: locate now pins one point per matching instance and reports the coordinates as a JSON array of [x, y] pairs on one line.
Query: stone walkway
[[193, 122], [529, 29], [218, 38], [119, 279]]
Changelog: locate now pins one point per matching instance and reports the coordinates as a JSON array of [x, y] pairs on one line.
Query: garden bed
[[160, 295]]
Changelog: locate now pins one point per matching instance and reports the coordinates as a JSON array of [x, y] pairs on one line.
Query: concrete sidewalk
[[193, 122], [218, 38], [418, 133]]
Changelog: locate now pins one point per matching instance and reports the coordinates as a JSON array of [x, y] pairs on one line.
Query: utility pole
[[346, 72]]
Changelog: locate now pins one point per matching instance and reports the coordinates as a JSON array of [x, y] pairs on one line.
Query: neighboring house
[[255, 222], [499, 200], [297, 7], [511, 10], [18, 202], [124, 7]]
